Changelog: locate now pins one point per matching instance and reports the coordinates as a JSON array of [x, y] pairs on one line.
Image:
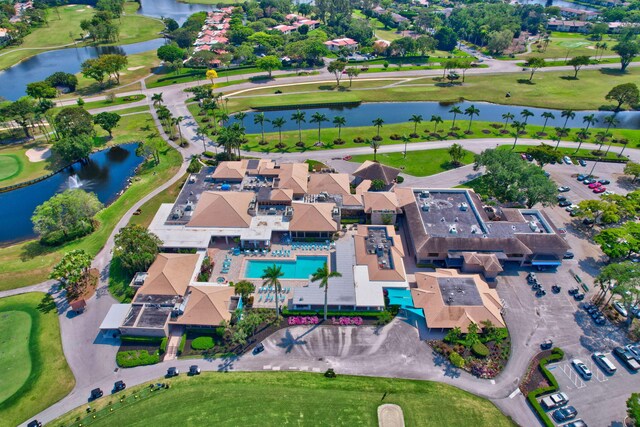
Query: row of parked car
[[562, 413]]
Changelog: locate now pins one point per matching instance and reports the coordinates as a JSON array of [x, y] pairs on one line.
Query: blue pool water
[[301, 268]]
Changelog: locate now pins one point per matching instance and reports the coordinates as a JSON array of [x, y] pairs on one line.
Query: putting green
[[10, 166], [573, 44], [15, 361]]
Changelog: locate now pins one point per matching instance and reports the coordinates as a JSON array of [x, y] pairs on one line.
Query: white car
[[571, 208], [608, 193], [567, 160], [617, 305], [581, 369]]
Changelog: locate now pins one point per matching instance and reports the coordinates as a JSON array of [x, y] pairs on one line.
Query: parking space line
[[573, 376]]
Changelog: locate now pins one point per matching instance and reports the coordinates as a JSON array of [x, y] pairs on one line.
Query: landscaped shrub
[[480, 349], [346, 321], [163, 345], [208, 154], [202, 343], [194, 165], [303, 320], [358, 140], [395, 137], [399, 179], [456, 359], [219, 331], [556, 354], [129, 359], [377, 138], [330, 373]]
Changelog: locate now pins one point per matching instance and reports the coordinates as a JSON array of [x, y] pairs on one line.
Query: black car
[[561, 198], [564, 203], [95, 394], [258, 349], [34, 423], [119, 386], [588, 221], [565, 414], [172, 372], [568, 255], [604, 182], [194, 370], [546, 344]]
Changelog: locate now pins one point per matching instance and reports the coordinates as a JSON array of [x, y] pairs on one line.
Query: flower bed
[[347, 321], [303, 320]]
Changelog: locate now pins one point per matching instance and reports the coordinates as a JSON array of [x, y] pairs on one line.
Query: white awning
[[115, 317]]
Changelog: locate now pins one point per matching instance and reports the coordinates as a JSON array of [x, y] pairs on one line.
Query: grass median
[[282, 398], [553, 90], [35, 371], [30, 262]]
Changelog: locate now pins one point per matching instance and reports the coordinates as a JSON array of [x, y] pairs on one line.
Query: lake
[[14, 80], [399, 112], [105, 173], [171, 9], [559, 3]]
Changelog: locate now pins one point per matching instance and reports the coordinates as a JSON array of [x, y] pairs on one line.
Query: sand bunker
[[135, 68], [38, 154]]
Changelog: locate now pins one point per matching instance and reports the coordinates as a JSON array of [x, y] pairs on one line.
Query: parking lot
[[565, 175], [600, 401]]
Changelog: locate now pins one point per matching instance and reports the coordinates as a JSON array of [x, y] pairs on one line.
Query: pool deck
[[238, 265]]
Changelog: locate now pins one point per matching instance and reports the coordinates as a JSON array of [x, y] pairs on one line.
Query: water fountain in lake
[[74, 182]]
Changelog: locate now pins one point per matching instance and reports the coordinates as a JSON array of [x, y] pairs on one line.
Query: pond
[[14, 80], [399, 112], [171, 9], [105, 173], [559, 3]]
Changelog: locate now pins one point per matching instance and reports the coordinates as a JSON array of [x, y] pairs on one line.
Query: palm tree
[[546, 116], [582, 135], [416, 119], [405, 139], [231, 137], [525, 115], [567, 114], [318, 118], [374, 146], [471, 111], [456, 152], [176, 122], [436, 120], [224, 118], [277, 123], [241, 116], [603, 46], [299, 117], [518, 127], [507, 117], [589, 119], [378, 123], [455, 111], [202, 133], [610, 121], [560, 132], [260, 119], [338, 122], [157, 99], [271, 277], [323, 275]]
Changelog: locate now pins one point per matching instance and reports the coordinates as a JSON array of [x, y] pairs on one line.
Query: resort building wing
[[450, 299]]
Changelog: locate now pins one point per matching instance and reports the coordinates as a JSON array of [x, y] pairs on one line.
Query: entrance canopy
[[400, 297]]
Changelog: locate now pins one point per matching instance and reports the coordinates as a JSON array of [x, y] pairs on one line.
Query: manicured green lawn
[[66, 30], [10, 166], [34, 371], [303, 399], [571, 44], [550, 90], [149, 209], [14, 351], [417, 163], [29, 262]]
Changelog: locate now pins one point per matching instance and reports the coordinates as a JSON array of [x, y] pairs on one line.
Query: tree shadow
[[47, 304], [525, 82], [569, 78], [448, 369], [226, 364], [288, 342], [613, 71], [34, 249]]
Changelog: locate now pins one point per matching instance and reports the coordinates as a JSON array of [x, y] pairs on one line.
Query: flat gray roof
[[459, 291]]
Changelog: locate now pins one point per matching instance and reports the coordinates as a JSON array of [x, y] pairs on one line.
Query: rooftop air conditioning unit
[[425, 207], [424, 194], [464, 206], [453, 229]]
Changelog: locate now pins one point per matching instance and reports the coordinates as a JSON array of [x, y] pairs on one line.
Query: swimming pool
[[301, 268]]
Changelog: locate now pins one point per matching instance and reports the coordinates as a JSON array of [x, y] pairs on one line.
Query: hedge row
[[150, 340], [163, 345], [556, 354], [183, 342], [129, 359]]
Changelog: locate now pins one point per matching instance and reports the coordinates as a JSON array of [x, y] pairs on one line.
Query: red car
[[346, 158], [595, 185], [600, 189]]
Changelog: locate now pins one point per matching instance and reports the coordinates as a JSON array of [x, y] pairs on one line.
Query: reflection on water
[[13, 81], [105, 173], [399, 112]]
